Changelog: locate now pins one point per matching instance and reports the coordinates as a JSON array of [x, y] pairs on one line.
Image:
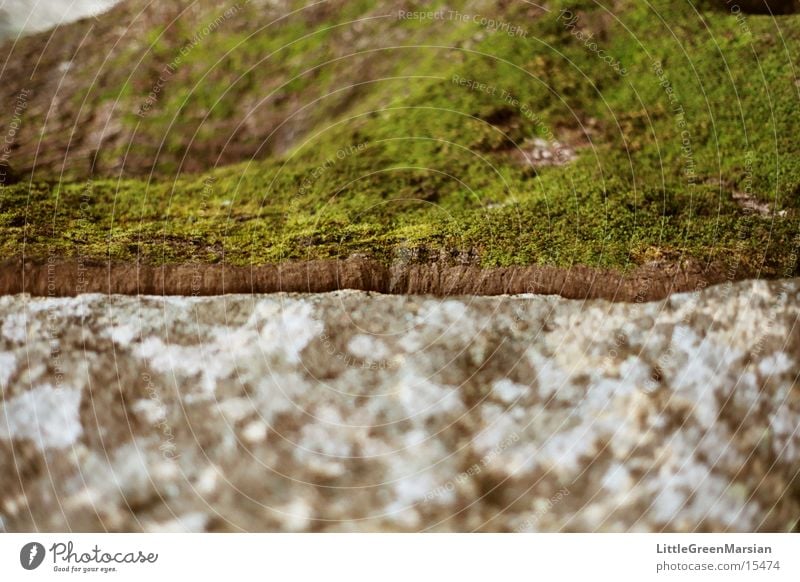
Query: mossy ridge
[[436, 170]]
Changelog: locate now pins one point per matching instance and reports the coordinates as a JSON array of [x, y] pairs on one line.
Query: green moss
[[428, 163]]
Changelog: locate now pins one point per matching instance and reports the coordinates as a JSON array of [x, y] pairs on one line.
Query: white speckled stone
[[358, 412]]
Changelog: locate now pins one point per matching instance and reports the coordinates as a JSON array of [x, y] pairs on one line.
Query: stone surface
[[352, 411], [19, 17]]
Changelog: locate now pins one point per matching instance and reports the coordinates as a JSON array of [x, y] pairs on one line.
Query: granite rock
[[351, 411]]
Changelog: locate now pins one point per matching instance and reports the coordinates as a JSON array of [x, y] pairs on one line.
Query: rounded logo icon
[[31, 555]]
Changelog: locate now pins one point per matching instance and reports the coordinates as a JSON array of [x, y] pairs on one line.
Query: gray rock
[[352, 411], [25, 17]]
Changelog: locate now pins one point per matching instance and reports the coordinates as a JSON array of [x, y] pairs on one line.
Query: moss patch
[[429, 156]]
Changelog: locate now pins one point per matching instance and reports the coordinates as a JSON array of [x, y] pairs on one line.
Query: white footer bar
[[400, 557]]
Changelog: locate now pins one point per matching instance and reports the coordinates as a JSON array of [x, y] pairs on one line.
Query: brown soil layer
[[70, 277]]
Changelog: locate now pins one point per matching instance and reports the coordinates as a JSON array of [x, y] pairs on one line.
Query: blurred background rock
[[26, 16]]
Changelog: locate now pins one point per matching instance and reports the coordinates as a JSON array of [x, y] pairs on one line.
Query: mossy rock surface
[[612, 137]]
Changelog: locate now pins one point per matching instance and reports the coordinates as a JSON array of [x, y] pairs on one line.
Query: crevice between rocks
[[69, 277]]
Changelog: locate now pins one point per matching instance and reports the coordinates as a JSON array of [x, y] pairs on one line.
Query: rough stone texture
[[352, 411], [648, 282]]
